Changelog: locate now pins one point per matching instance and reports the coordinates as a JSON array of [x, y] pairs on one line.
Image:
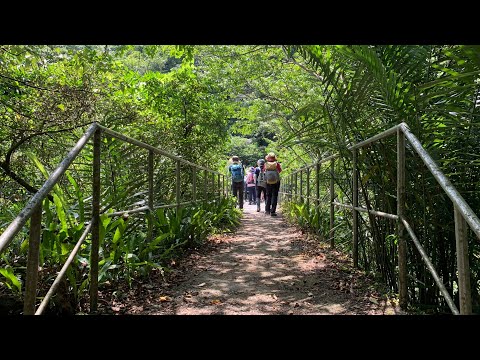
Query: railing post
[[308, 190], [177, 185], [222, 188], [355, 212], [317, 192], [150, 195], [402, 244], [332, 206], [463, 267], [226, 181], [97, 138], [213, 186], [219, 189], [317, 184], [301, 186], [194, 184], [296, 188], [280, 198], [286, 187], [32, 261], [280, 189], [290, 186], [205, 185]]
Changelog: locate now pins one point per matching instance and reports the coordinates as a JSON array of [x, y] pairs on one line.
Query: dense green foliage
[[207, 103], [48, 97], [363, 90]]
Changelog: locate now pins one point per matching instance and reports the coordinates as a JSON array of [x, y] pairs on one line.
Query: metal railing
[[463, 214], [33, 211]]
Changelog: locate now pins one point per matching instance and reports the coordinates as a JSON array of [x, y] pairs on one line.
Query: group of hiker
[[262, 179]]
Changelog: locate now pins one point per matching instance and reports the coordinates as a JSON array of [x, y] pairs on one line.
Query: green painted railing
[[215, 186], [463, 214]]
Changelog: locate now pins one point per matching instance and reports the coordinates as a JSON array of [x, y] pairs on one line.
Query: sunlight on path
[[261, 270]]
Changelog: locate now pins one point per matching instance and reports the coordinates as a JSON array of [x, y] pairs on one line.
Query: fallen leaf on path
[[215, 302], [202, 284], [165, 298], [310, 294]]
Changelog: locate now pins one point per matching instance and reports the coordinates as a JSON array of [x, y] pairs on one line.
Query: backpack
[[237, 172], [271, 173], [250, 179], [261, 181]]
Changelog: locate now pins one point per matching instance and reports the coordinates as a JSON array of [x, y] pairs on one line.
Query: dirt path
[[259, 270]]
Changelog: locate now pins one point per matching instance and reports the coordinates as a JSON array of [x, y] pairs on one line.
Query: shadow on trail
[[263, 270]]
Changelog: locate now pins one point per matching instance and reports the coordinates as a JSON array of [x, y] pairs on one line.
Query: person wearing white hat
[[272, 176]]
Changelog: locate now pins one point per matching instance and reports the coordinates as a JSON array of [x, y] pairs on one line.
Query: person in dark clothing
[[236, 170], [245, 189], [261, 184], [272, 176]]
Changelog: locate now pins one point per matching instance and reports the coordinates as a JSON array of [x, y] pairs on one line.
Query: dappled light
[[118, 164], [263, 270]]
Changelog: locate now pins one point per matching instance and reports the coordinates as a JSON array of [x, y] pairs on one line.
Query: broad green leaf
[[117, 236], [11, 278]]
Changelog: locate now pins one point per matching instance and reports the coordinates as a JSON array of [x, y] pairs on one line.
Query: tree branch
[[6, 164], [26, 83], [15, 146], [310, 71], [20, 181], [11, 53], [16, 111]]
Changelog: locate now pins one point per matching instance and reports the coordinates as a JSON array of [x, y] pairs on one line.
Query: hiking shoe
[[267, 212], [273, 214], [258, 207]]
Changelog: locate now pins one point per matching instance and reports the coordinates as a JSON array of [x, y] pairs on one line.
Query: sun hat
[[271, 156]]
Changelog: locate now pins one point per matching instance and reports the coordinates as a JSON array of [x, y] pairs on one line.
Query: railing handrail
[[33, 207], [7, 236], [463, 212], [154, 149], [467, 212]]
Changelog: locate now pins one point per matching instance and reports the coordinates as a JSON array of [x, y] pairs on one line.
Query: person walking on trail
[[245, 189], [236, 170], [272, 177], [260, 182], [251, 186]]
